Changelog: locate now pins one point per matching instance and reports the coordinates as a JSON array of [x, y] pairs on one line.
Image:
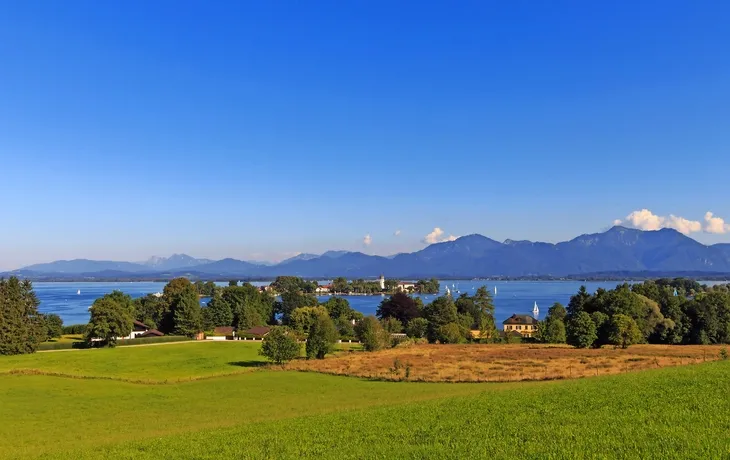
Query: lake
[[71, 301]]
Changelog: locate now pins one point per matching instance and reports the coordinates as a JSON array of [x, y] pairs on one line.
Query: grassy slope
[[679, 412], [669, 413], [45, 414], [146, 363]]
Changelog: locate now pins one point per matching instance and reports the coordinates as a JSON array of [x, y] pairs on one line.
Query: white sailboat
[[535, 310], [78, 292], [495, 290], [448, 292]]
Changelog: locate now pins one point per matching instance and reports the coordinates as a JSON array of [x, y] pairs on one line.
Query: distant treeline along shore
[[664, 311]]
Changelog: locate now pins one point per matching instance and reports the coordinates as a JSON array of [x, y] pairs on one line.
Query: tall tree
[[322, 337], [440, 312], [21, 327], [219, 311], [188, 316], [370, 332], [399, 306], [581, 331], [578, 302], [624, 331], [340, 285], [111, 318], [54, 326]]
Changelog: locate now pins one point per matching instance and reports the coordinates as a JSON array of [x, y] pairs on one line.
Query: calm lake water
[[512, 296]]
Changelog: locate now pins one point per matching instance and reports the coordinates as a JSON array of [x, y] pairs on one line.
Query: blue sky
[[261, 130]]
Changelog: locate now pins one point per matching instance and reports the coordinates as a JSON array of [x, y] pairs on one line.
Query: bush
[[392, 325], [723, 354], [280, 346]]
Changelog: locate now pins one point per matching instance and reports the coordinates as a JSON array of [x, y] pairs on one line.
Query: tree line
[[663, 311]]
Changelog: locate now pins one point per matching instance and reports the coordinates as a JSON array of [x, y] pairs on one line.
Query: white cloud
[[714, 224], [367, 240], [396, 233], [683, 225], [646, 220], [436, 236]]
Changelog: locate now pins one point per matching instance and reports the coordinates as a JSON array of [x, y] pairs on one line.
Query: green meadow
[[213, 400]]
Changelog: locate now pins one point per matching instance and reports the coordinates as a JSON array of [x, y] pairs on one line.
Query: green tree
[[302, 318], [624, 331], [450, 333], [399, 306], [219, 311], [21, 326], [54, 326], [340, 285], [603, 329], [152, 311], [322, 337], [111, 318], [188, 316], [578, 302], [552, 329], [290, 301], [581, 331], [345, 327], [233, 283], [440, 312], [280, 346], [370, 332], [417, 328], [392, 325], [338, 307]]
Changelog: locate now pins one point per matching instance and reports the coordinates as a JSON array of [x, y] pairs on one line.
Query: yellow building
[[524, 324]]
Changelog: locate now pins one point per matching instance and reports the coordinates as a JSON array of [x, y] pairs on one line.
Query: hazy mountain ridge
[[618, 249]]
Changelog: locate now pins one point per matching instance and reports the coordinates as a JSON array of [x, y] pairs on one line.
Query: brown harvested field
[[504, 363]]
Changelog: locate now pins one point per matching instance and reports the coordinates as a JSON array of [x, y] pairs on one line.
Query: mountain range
[[618, 249]]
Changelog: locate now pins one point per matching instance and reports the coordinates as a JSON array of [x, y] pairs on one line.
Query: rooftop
[[520, 319]]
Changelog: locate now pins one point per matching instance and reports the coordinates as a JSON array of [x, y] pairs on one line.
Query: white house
[[323, 289], [138, 328], [405, 286]]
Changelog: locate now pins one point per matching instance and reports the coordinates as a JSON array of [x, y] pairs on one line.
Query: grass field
[[680, 412], [505, 363]]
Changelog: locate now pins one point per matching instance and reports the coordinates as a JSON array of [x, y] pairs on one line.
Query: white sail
[[78, 292], [535, 310], [495, 290]]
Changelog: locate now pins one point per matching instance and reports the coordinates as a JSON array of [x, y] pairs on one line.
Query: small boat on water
[[495, 290], [535, 310], [78, 292]]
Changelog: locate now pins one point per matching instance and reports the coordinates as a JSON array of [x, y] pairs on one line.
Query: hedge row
[[163, 339], [120, 343]]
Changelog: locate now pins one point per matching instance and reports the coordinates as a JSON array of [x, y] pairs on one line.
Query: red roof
[[258, 330], [152, 333], [140, 325], [223, 330]]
